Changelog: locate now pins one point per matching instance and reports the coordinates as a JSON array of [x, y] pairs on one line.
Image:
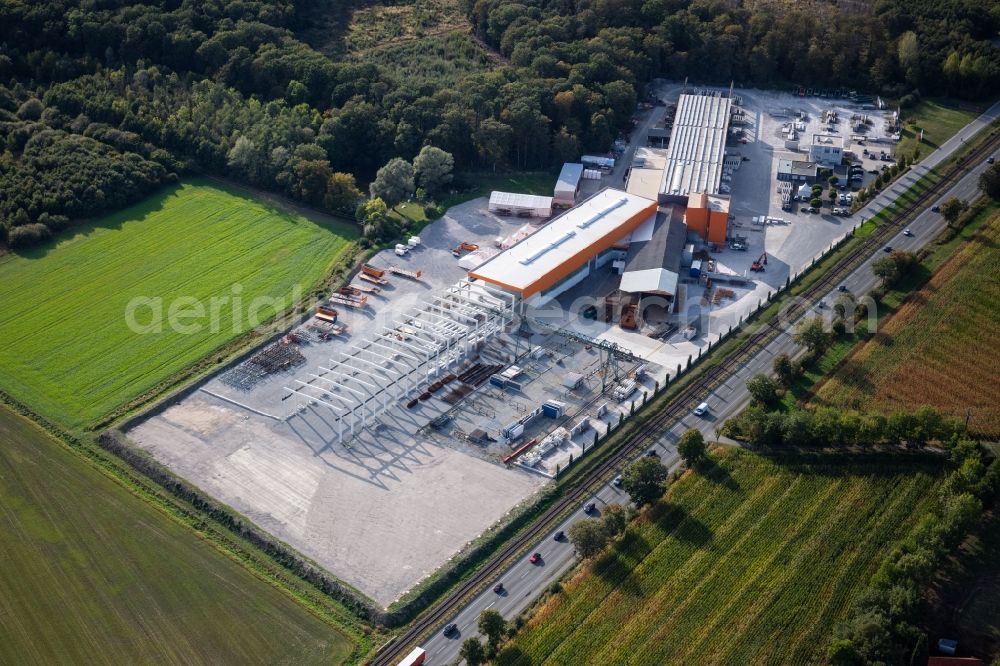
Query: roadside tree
[[952, 209], [614, 520], [645, 480], [691, 447], [989, 181], [763, 390], [472, 651], [492, 625], [812, 335], [588, 537]]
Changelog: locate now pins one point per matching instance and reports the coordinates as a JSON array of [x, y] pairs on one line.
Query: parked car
[[535, 558]]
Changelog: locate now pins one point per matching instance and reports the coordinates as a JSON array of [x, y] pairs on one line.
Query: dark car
[[590, 507], [449, 629], [535, 558], [559, 536], [842, 288], [991, 160], [498, 588], [652, 453], [887, 249], [617, 481], [936, 209], [589, 312]]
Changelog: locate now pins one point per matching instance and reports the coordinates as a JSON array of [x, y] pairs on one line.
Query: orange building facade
[[708, 216]]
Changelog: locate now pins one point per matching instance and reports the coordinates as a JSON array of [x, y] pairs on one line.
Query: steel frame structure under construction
[[416, 347]]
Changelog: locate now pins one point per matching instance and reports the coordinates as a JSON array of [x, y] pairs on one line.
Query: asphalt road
[[524, 581]]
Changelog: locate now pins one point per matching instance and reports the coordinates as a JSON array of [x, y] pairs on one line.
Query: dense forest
[[103, 101]]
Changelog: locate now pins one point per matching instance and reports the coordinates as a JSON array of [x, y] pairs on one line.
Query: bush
[[27, 235]]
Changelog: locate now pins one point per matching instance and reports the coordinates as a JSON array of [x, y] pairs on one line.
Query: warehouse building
[[565, 251], [652, 266], [568, 185], [697, 148], [826, 149], [522, 205]]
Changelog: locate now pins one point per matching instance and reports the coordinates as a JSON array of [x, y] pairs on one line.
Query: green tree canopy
[[433, 168], [644, 480], [691, 447], [588, 537], [394, 182]]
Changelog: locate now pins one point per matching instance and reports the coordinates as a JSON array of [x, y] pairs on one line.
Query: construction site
[[457, 372]]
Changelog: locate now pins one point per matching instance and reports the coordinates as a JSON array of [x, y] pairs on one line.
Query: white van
[[701, 409]]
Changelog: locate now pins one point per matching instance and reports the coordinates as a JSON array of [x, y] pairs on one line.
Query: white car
[[701, 409]]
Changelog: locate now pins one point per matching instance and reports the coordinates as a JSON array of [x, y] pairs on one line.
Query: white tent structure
[[525, 205]]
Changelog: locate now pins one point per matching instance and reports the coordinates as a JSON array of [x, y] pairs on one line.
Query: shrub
[[27, 235]]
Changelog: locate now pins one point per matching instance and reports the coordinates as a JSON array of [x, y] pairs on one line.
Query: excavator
[[759, 265]]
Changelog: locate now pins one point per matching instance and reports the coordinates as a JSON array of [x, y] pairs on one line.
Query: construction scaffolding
[[413, 350]]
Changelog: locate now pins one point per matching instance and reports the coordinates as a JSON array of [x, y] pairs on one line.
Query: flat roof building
[[795, 171], [697, 147], [827, 149], [564, 251], [708, 216], [646, 173]]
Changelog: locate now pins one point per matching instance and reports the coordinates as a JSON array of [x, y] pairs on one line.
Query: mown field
[[90, 574], [753, 562], [68, 351], [934, 349], [939, 121]]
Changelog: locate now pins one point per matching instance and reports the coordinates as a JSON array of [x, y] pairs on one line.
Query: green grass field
[[939, 122], [90, 574], [68, 351], [752, 562], [930, 352]]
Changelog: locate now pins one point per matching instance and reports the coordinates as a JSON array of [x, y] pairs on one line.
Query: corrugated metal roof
[[518, 200], [697, 145], [569, 177]]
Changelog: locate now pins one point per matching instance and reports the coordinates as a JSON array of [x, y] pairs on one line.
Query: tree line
[[228, 88]]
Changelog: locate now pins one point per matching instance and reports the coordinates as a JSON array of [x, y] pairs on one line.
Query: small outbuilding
[[522, 205], [568, 185]]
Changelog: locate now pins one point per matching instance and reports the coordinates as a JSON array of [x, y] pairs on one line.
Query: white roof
[[651, 279], [644, 182], [697, 145], [518, 200], [603, 219], [569, 177], [831, 140]]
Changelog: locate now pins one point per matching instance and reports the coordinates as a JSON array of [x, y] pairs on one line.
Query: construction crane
[[759, 265]]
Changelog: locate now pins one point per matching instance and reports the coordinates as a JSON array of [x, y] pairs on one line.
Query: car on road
[[559, 536], [842, 288], [874, 172], [498, 588], [991, 160], [907, 232], [590, 507], [535, 558], [618, 481], [449, 629], [887, 249], [701, 409], [936, 209], [652, 453]]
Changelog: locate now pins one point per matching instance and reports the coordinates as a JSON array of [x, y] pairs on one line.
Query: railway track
[[690, 395]]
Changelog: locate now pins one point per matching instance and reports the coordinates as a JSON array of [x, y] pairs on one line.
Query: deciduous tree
[[644, 480]]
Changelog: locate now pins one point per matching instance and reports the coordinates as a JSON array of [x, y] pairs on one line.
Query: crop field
[[68, 348], [753, 561], [90, 574], [930, 352]]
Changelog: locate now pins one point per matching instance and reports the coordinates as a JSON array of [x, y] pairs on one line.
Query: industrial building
[[795, 171], [652, 266], [646, 173], [708, 216], [564, 252], [568, 185], [826, 149], [523, 205], [697, 148]]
